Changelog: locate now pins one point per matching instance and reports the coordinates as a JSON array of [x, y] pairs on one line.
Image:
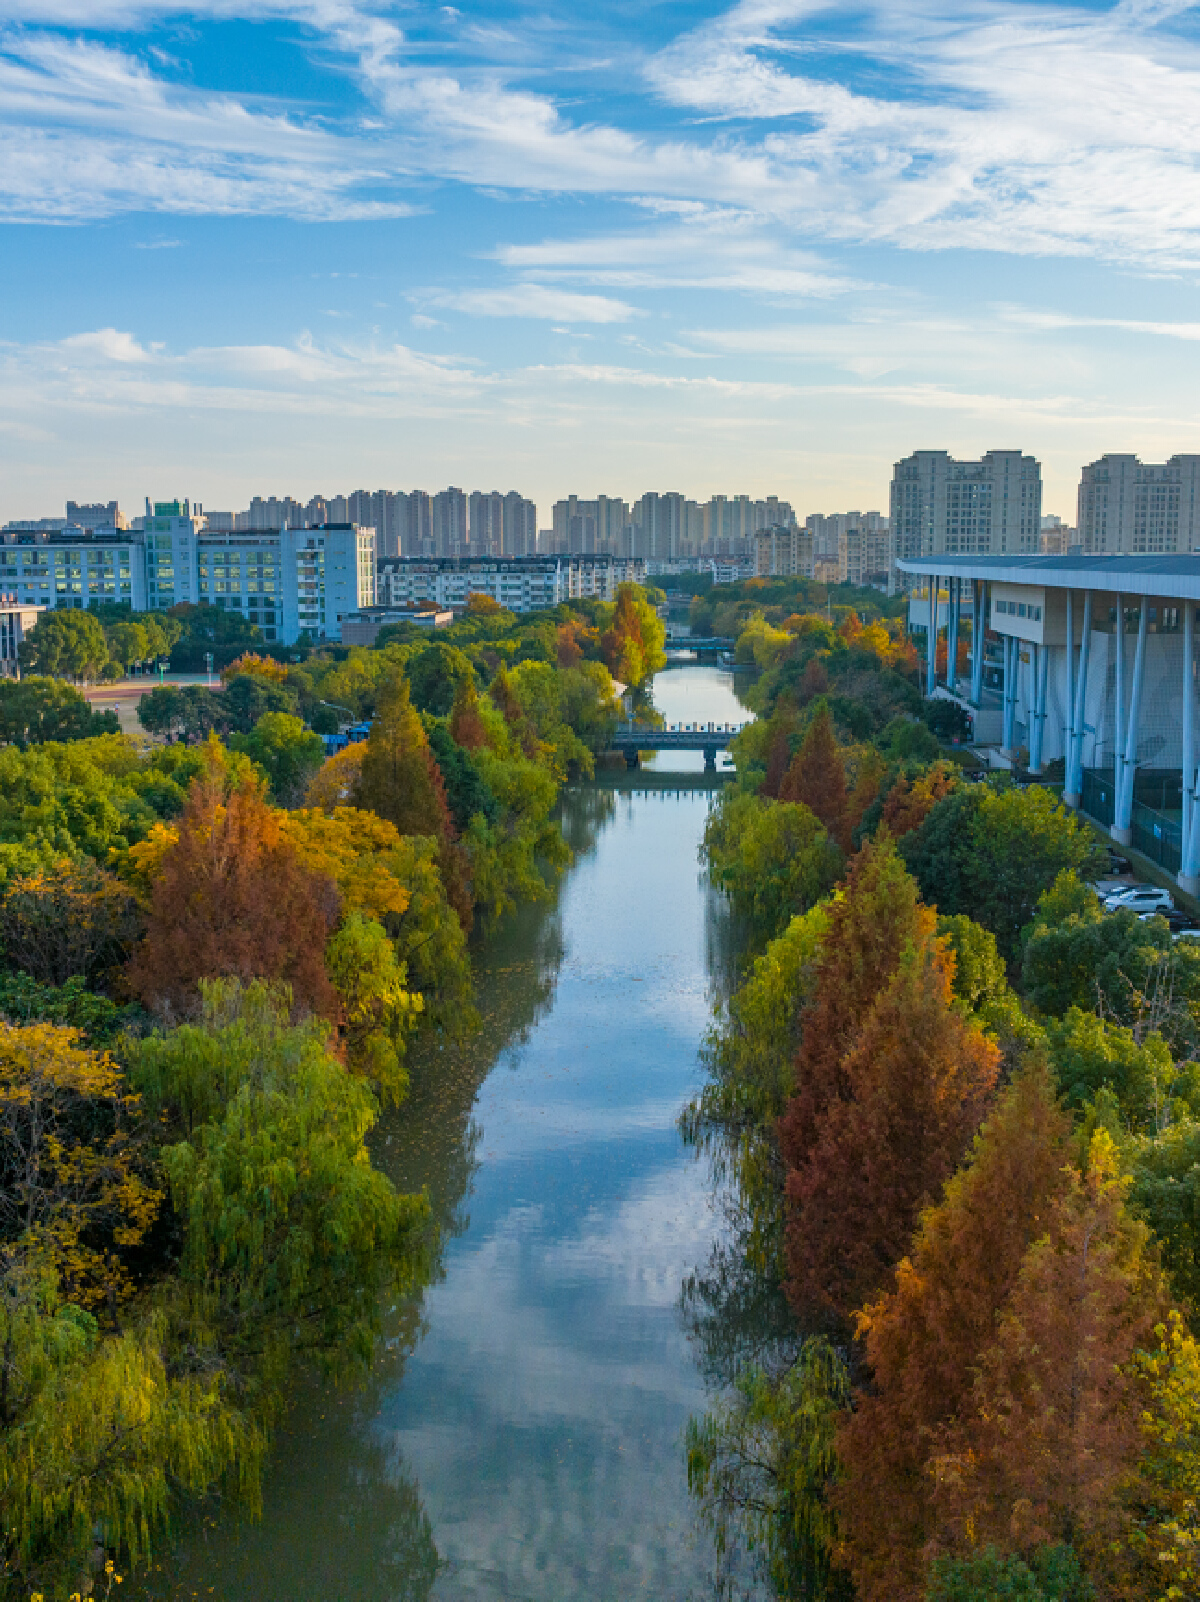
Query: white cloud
[[535, 300]]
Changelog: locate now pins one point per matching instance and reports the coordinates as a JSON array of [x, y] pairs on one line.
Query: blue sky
[[311, 245]]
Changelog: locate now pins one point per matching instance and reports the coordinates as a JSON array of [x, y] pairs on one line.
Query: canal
[[520, 1434]]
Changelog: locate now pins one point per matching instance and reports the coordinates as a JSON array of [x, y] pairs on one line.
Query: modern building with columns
[[1098, 672]]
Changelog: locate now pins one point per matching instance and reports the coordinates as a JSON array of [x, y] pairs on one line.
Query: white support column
[[1037, 728], [1070, 729], [1123, 822], [1119, 700], [1075, 752], [1188, 763], [1012, 663], [931, 638], [978, 633], [952, 635]]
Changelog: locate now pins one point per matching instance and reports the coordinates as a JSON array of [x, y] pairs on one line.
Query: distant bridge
[[632, 738], [701, 644]]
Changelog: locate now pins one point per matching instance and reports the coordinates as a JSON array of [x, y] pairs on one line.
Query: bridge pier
[[633, 760], [710, 759]]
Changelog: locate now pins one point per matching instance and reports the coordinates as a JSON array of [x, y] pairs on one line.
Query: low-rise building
[[519, 584], [362, 628], [64, 567]]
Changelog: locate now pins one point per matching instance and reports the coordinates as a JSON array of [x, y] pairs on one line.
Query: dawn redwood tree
[[878, 914], [917, 1081], [923, 1336], [466, 721], [817, 775], [234, 901], [1054, 1431]]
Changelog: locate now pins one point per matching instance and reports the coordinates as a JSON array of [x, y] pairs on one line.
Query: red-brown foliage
[[817, 775], [917, 1077], [924, 1336], [814, 680], [466, 723], [233, 901], [910, 802]]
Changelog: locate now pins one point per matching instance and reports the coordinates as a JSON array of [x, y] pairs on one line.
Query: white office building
[[1128, 508], [64, 567], [290, 581]]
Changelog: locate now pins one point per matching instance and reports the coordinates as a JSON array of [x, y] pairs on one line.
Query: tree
[[74, 919], [991, 853], [774, 860], [923, 1337], [34, 710], [288, 753], [466, 791], [481, 605], [632, 644], [128, 642], [816, 777], [73, 1193], [1051, 1575], [466, 725], [434, 676], [335, 782], [914, 1084], [292, 1236], [400, 780], [233, 900], [1054, 1433], [65, 645], [377, 1011]]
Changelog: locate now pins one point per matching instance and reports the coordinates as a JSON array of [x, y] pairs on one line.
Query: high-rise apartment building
[[1127, 507], [170, 530], [989, 507], [586, 527], [501, 525], [784, 551], [450, 527], [865, 551]]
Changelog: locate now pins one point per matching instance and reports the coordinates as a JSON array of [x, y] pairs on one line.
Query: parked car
[[1177, 920], [1186, 934], [1140, 898], [1119, 864], [1112, 887]]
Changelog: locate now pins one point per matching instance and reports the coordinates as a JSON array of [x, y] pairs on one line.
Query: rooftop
[[1174, 575]]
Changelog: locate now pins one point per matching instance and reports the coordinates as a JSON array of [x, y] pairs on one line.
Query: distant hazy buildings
[[665, 526], [783, 552], [989, 507], [1057, 537], [1127, 507]]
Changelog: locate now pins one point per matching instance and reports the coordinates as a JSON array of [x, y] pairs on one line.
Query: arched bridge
[[703, 645], [633, 738]]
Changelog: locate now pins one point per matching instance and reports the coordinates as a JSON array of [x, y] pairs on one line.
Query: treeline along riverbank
[[958, 1106], [218, 955]]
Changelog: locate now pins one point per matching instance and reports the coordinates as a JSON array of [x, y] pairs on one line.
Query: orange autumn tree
[[1052, 1440], [922, 1337], [335, 782], [233, 900], [816, 776], [910, 801], [891, 1082]]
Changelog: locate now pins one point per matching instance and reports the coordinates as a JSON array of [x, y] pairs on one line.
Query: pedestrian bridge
[[703, 645], [631, 739]]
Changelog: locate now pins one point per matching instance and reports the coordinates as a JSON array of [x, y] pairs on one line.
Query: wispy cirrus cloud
[[533, 300]]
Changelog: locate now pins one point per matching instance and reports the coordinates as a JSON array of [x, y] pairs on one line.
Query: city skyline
[[294, 241]]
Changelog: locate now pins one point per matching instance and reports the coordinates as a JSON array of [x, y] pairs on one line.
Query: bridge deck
[[710, 738]]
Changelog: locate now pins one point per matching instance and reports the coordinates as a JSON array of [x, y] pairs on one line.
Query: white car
[[1112, 887], [1140, 898]]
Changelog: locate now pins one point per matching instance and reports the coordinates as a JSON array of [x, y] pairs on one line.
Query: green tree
[[1052, 1574], [991, 853], [377, 1010], [773, 858], [632, 643], [65, 645], [34, 710], [288, 753], [434, 676]]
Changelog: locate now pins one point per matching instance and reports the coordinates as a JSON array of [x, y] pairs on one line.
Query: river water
[[520, 1435]]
